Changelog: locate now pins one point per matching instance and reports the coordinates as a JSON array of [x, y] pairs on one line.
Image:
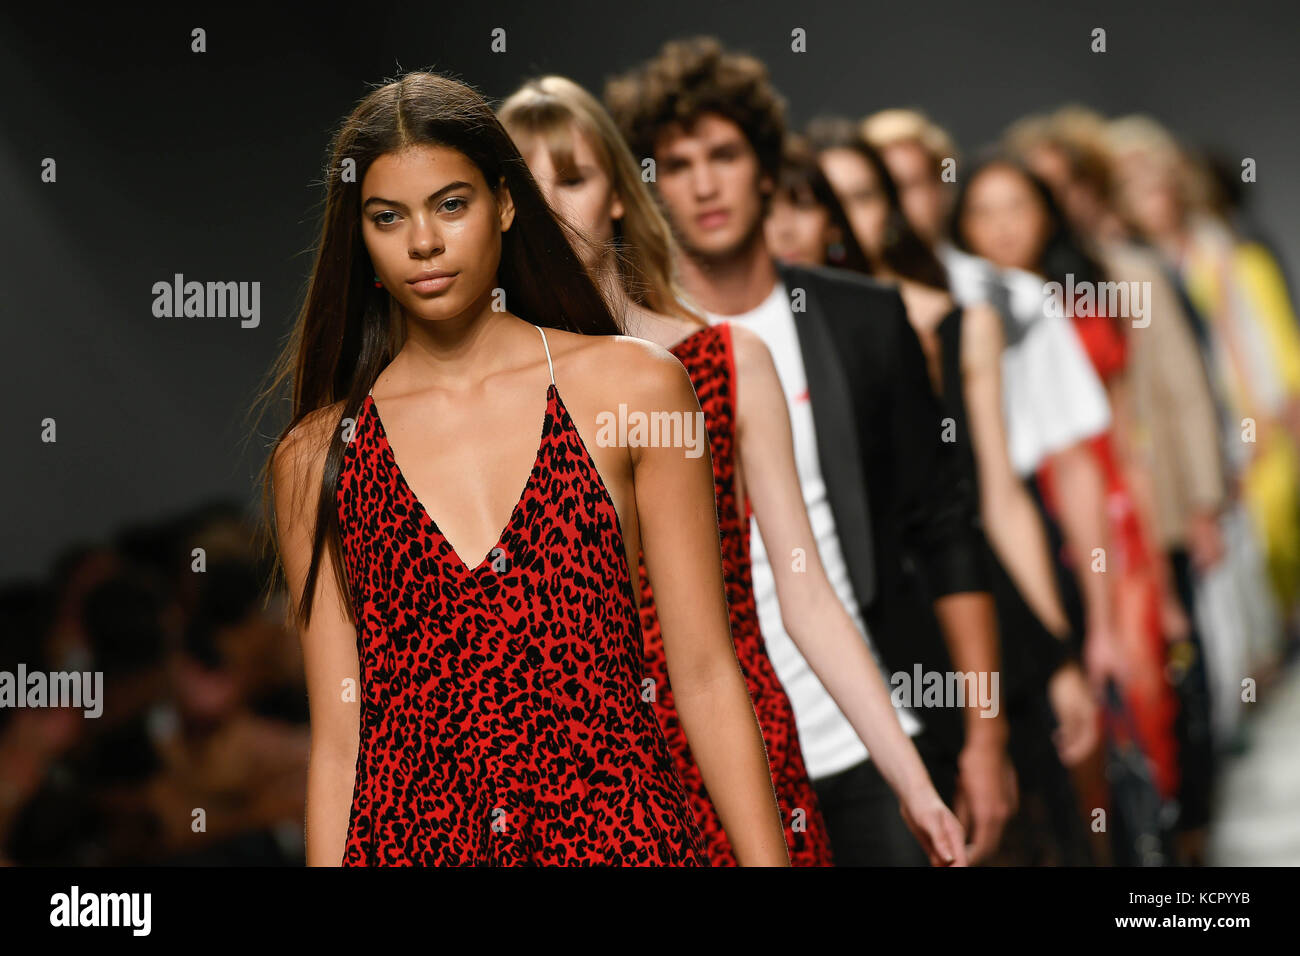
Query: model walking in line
[[476, 682], [1007, 215], [587, 172], [1053, 401], [1172, 434], [963, 346], [894, 530]]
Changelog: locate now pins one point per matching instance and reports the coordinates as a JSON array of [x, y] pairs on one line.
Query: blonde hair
[[1022, 136], [1081, 124], [895, 126], [549, 107], [1144, 135], [1074, 130]]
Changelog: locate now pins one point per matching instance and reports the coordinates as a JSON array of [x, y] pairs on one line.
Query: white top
[[1052, 397], [829, 742], [970, 278]]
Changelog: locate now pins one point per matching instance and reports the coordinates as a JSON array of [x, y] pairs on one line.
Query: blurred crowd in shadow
[[200, 754]]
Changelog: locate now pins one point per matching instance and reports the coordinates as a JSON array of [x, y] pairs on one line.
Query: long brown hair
[[802, 181], [903, 252], [643, 251], [348, 329]]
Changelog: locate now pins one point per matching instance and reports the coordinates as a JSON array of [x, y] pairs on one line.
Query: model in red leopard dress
[[708, 357], [502, 720]]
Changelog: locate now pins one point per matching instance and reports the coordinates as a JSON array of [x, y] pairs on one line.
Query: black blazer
[[907, 524]]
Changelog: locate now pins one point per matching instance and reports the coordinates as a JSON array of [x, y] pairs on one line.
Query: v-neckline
[[427, 518]]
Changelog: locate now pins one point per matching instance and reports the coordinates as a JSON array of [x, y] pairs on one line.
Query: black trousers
[[1048, 829], [1195, 745], [862, 815]]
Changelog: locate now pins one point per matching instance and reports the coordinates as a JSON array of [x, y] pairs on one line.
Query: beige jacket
[[1176, 429]]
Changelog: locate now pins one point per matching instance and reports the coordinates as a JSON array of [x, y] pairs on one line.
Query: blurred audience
[[200, 754]]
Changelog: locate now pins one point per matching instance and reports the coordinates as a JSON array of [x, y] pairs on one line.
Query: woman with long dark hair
[[588, 174], [476, 687], [805, 222]]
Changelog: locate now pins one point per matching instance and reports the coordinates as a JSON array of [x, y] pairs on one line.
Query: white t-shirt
[[828, 740]]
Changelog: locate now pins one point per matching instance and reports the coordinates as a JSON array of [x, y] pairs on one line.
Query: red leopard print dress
[[502, 714], [707, 356]]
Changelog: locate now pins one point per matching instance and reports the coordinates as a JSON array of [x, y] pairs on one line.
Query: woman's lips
[[435, 284]]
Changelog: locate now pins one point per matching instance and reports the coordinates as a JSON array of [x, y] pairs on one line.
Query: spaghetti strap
[[548, 353]]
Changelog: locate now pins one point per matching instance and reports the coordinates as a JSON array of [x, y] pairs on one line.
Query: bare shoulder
[[607, 369], [748, 344], [300, 455], [927, 303], [752, 356]]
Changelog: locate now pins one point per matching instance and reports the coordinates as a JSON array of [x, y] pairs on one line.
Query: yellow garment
[[1265, 288], [1272, 482], [1240, 291], [1269, 491]]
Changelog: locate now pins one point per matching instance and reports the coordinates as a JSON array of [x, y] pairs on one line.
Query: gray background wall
[[209, 165]]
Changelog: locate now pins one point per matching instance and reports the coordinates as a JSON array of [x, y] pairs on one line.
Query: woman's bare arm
[[1011, 521], [678, 517], [811, 612], [329, 642], [1080, 491]]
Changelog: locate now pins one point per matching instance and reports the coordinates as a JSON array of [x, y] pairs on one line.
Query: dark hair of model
[[689, 78], [1062, 253], [903, 251], [801, 181]]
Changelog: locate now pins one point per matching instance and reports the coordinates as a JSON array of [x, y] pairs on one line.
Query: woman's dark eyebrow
[[432, 196]]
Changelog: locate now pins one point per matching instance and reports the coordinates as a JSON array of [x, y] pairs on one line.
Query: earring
[[378, 284]]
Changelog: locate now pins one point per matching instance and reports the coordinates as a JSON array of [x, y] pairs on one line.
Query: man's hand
[[986, 796]]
